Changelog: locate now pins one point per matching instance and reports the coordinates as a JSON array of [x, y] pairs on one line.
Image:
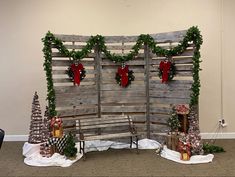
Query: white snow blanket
[[98, 145], [175, 156], [33, 157]]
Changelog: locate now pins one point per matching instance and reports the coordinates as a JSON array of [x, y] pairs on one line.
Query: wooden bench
[[111, 127]]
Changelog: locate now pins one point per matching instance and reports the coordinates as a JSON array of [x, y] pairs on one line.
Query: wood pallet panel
[[147, 100]]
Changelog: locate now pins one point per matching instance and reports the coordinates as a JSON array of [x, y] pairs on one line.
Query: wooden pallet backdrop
[[146, 100]]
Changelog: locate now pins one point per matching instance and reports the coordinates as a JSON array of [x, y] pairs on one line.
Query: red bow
[[76, 73], [123, 73], [56, 120], [165, 67]]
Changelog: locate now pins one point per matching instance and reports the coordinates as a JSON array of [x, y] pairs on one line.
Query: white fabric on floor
[[98, 145], [34, 158], [175, 156]]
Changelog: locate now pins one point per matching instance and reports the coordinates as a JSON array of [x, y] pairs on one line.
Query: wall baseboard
[[16, 138], [230, 135]]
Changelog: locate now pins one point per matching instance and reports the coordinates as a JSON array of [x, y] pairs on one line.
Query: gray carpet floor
[[119, 163]]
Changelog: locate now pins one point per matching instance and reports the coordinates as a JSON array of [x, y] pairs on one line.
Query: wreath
[[76, 73], [166, 71], [124, 76]]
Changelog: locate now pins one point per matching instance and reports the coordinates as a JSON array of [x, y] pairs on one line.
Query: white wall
[[24, 22]]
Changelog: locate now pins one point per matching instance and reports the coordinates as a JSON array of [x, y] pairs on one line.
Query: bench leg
[[80, 145], [131, 142], [137, 145], [83, 150]]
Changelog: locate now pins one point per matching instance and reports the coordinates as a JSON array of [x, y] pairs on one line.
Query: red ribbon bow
[[56, 120], [76, 73], [165, 67], [123, 73]]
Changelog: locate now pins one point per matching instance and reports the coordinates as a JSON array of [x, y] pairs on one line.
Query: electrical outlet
[[222, 123]]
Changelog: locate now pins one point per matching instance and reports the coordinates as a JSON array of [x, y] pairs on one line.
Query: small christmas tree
[[194, 132], [45, 150], [70, 150], [173, 122], [46, 134], [36, 125]]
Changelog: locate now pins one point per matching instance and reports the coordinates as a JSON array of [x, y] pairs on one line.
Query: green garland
[[210, 148], [192, 35]]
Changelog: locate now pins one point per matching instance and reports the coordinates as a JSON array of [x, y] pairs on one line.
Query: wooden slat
[[160, 109], [141, 108], [75, 101], [70, 112], [169, 100], [65, 80], [185, 60], [72, 38], [159, 128], [109, 136], [68, 63], [63, 72], [174, 36], [59, 55], [67, 96], [169, 94], [177, 74], [74, 89], [132, 93], [159, 118], [103, 118], [133, 86], [123, 99], [103, 121], [112, 80], [171, 83], [131, 62], [113, 70], [170, 87], [177, 67]]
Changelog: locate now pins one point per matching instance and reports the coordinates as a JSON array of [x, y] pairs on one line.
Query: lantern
[[56, 127]]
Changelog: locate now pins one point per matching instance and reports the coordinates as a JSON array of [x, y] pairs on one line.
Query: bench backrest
[[108, 124]]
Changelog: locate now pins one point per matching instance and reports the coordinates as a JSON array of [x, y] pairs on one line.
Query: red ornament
[[165, 67], [123, 73], [76, 69]]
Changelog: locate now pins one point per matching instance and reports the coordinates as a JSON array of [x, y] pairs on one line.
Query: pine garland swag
[[211, 148], [192, 35]]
